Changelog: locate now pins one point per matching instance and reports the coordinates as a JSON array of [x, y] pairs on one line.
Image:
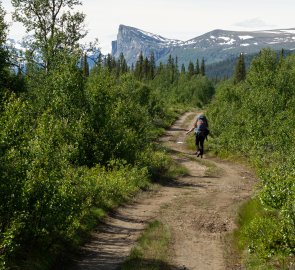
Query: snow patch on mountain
[[189, 42], [245, 37], [289, 31], [131, 41], [160, 38], [271, 32], [228, 41]]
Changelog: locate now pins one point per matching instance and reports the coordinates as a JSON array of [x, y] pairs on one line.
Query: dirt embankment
[[199, 209]]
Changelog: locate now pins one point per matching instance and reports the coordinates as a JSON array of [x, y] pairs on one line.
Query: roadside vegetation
[[74, 142], [253, 117]]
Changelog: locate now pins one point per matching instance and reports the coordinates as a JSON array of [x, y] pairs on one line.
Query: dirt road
[[199, 209]]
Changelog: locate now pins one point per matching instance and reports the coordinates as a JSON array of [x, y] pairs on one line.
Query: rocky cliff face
[[131, 41], [215, 46]]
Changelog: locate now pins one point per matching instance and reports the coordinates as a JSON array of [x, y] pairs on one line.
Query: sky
[[175, 19]]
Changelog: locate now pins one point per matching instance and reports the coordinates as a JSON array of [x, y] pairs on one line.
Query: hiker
[[201, 132]]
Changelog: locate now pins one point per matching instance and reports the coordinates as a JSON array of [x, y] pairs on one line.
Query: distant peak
[[122, 27]]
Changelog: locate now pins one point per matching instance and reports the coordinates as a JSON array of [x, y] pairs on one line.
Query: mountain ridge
[[214, 46]]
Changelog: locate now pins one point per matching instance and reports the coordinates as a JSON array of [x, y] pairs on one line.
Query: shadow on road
[[135, 264]]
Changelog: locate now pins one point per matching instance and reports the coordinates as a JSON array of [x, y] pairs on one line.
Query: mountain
[[215, 46], [20, 47], [131, 41]]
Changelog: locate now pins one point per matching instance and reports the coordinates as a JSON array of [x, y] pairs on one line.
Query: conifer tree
[[161, 67], [282, 52], [146, 68], [109, 63], [171, 68], [152, 65], [176, 63], [138, 72], [122, 65], [240, 71], [99, 61], [182, 69], [176, 69], [197, 67], [170, 60], [191, 69], [203, 67]]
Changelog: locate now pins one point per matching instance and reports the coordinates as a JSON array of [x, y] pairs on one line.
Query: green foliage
[[119, 131], [261, 234], [196, 92], [177, 88], [54, 25], [240, 72], [3, 33], [8, 80], [61, 89], [202, 69], [72, 145], [191, 69], [75, 143], [255, 119]]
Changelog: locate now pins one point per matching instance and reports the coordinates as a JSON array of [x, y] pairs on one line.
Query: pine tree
[[138, 72], [122, 64], [152, 65], [109, 62], [99, 61], [203, 67], [282, 56], [240, 72], [176, 69], [182, 69], [161, 67], [170, 60], [171, 67], [197, 67], [176, 63], [146, 68], [191, 69]]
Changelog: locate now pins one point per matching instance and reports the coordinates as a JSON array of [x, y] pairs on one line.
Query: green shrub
[[254, 119]]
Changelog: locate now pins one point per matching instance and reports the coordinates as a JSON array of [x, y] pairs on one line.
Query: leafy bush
[[254, 119], [70, 145]]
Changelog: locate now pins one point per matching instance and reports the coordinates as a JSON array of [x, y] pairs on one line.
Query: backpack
[[204, 126]]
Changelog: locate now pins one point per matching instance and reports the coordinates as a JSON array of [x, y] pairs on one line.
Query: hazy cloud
[[253, 23]]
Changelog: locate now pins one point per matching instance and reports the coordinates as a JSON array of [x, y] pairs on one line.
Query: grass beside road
[[151, 250]]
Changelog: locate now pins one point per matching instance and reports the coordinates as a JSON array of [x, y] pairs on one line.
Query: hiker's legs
[[197, 143], [201, 139]]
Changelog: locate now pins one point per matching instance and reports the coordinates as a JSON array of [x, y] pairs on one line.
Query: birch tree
[[55, 26]]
